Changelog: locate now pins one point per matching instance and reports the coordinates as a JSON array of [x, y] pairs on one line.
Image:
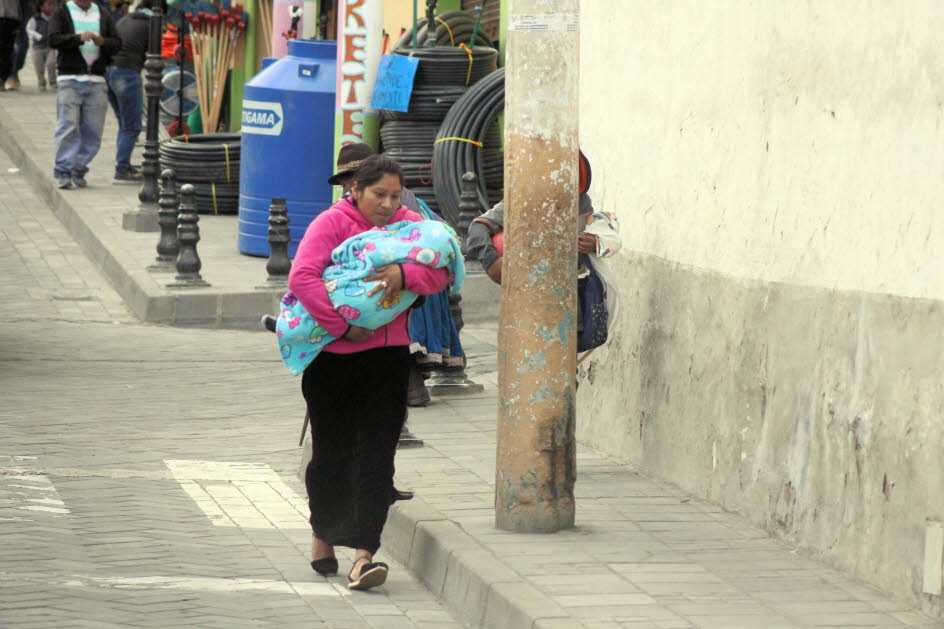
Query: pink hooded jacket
[[329, 229]]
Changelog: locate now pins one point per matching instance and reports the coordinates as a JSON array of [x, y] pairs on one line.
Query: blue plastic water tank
[[287, 142]]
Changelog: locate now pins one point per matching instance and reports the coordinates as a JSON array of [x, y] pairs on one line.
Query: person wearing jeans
[[80, 119], [124, 89], [127, 100], [86, 39]]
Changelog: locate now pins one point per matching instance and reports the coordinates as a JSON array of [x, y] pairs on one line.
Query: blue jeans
[[127, 99], [80, 119]]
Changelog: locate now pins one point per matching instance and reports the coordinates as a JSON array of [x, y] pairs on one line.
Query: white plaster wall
[[777, 169], [783, 140]]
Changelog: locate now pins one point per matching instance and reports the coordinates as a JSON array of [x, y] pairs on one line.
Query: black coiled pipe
[[211, 163], [446, 65], [428, 104], [460, 27], [471, 118]]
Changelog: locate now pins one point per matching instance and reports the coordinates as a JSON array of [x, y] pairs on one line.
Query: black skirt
[[357, 406]]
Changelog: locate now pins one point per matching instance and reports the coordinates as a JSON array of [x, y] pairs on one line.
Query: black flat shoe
[[326, 567], [372, 575], [402, 495]]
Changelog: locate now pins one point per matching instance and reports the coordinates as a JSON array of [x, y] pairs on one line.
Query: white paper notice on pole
[[537, 22]]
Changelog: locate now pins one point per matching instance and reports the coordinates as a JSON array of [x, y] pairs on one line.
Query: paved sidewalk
[[94, 218], [148, 478]]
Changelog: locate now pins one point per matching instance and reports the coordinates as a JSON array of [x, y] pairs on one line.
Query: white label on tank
[[262, 118]]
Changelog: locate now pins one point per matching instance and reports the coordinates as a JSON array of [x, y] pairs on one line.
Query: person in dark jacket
[[44, 57], [124, 88], [86, 39], [11, 20], [22, 40]]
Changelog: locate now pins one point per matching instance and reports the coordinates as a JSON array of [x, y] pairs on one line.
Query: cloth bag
[[591, 303]]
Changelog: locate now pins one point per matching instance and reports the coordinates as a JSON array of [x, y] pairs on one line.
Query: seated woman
[[356, 386]]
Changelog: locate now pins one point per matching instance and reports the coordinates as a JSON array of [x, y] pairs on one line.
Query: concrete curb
[[479, 589]]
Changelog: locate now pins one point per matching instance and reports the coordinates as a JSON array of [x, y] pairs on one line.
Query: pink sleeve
[[311, 259], [419, 278], [424, 280]]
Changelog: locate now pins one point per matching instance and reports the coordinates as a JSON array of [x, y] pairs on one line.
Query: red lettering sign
[[351, 13]]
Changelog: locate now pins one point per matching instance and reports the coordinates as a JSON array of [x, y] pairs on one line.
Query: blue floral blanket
[[432, 243]]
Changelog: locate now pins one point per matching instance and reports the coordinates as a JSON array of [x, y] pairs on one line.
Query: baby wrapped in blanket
[[432, 243]]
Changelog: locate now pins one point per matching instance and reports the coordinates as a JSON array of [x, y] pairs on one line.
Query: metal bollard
[[279, 237], [469, 208], [145, 218], [167, 245], [188, 235], [453, 381]]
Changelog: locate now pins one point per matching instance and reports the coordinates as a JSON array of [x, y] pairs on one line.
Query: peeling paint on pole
[[536, 452]]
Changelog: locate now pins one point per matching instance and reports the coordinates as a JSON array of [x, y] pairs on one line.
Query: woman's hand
[[586, 243], [357, 334], [389, 279]]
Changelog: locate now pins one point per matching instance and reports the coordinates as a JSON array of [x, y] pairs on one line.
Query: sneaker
[[128, 177], [79, 182], [64, 183], [10, 84], [268, 322]]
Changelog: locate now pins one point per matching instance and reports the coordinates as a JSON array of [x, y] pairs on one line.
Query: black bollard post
[[279, 237], [469, 208], [145, 218], [188, 235], [167, 245], [453, 380]]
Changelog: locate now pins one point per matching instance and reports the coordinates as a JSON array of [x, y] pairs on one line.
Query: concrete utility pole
[[535, 475]]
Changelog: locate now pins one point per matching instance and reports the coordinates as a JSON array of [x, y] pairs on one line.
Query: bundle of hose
[[215, 198], [428, 104], [415, 174], [452, 28], [405, 135], [211, 163], [461, 146], [446, 65], [208, 149]]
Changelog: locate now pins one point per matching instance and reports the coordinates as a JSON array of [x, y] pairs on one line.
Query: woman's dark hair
[[374, 168]]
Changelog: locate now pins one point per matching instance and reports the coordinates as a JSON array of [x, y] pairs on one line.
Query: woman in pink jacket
[[356, 387]]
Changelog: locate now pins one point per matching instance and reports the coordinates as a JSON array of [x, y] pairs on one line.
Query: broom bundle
[[214, 37], [265, 26]]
